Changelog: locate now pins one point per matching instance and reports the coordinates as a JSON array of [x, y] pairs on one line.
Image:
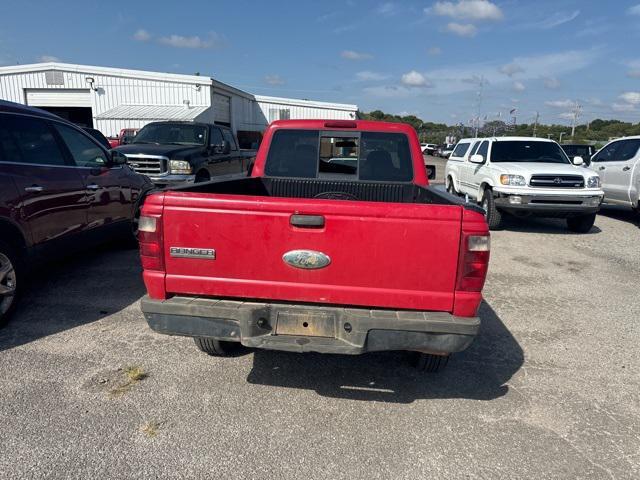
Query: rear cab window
[[328, 155]]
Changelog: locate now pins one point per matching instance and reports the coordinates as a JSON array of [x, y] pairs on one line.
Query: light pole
[[561, 133]]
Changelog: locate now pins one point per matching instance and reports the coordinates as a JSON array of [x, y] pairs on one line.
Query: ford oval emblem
[[307, 259]]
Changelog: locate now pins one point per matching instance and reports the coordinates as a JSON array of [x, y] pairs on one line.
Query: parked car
[[577, 150], [279, 260], [618, 164], [59, 190], [428, 148], [173, 153], [445, 150], [125, 136], [98, 136], [525, 176]]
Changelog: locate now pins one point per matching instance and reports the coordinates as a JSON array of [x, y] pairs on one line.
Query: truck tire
[[202, 176], [581, 224], [10, 281], [217, 348], [451, 188], [492, 214], [428, 362]]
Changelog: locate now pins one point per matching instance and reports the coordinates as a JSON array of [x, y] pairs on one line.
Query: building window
[[279, 114]]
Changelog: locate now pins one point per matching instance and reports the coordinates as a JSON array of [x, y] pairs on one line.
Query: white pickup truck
[[524, 176], [618, 164]]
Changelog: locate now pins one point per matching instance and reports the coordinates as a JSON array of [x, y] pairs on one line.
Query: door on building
[[73, 105], [222, 109]]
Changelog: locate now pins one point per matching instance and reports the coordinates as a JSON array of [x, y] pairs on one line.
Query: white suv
[[524, 176], [618, 164]]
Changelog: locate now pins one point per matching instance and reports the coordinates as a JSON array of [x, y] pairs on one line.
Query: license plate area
[[306, 324]]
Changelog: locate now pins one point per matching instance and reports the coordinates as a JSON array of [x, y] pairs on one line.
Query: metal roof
[[306, 103], [152, 112]]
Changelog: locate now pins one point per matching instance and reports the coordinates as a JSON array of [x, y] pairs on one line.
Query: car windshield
[[527, 151], [172, 133]]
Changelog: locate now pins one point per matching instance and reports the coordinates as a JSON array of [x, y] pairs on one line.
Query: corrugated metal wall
[[111, 92], [271, 112]]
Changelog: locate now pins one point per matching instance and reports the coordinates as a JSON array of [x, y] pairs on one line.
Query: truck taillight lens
[[474, 261], [150, 238]]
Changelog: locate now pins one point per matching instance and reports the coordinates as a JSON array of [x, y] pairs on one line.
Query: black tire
[[581, 224], [492, 214], [451, 188], [428, 362], [217, 348], [10, 281], [202, 176]]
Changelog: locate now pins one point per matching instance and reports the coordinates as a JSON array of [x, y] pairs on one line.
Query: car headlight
[[513, 180], [180, 167], [593, 182]]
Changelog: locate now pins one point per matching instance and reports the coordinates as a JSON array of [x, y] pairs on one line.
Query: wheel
[[9, 284], [451, 188], [202, 176], [581, 224], [492, 214], [428, 362], [217, 348]]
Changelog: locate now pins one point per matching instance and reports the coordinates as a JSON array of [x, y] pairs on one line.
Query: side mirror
[[476, 158], [578, 161], [117, 158], [431, 171]]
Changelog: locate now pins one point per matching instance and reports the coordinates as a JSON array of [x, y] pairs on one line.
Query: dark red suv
[[59, 190]]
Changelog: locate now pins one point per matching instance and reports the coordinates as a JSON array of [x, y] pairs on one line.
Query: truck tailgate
[[396, 255]]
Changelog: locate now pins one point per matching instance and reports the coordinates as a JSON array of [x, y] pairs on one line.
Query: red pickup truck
[[334, 244]]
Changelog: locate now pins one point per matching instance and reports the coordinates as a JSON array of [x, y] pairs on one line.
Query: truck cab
[[174, 153], [525, 176]]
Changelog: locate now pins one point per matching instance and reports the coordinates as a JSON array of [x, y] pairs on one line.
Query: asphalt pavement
[[550, 389]]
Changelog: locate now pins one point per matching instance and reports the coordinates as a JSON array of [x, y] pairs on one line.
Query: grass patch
[[133, 375], [150, 429]]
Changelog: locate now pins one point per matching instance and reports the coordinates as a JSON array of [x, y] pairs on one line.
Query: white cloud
[[433, 51], [387, 8], [48, 58], [622, 107], [631, 97], [367, 76], [560, 103], [415, 79], [551, 83], [468, 10], [566, 115], [213, 40], [518, 87], [274, 80], [142, 35], [510, 69], [391, 91], [451, 79], [353, 55], [635, 10], [462, 30], [555, 20]]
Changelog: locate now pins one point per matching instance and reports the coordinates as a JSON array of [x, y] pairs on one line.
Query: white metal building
[[110, 99]]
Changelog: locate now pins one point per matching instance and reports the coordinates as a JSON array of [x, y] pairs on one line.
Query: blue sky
[[427, 58]]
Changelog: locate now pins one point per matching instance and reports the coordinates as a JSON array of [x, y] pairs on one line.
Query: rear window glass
[[527, 151], [369, 156], [460, 150]]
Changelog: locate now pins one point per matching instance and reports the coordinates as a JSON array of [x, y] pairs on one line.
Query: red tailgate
[[381, 254]]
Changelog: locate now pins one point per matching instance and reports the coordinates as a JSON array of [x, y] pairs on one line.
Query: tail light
[[340, 124], [150, 238], [473, 263]]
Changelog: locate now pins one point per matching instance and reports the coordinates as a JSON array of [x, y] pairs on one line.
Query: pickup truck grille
[[557, 181], [148, 164]]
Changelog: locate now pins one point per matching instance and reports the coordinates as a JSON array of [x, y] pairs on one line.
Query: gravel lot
[[550, 389]]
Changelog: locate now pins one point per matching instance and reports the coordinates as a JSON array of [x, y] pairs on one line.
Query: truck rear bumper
[[310, 328]]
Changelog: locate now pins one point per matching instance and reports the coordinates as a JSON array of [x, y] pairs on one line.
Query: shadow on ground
[[621, 213], [481, 372], [73, 292]]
